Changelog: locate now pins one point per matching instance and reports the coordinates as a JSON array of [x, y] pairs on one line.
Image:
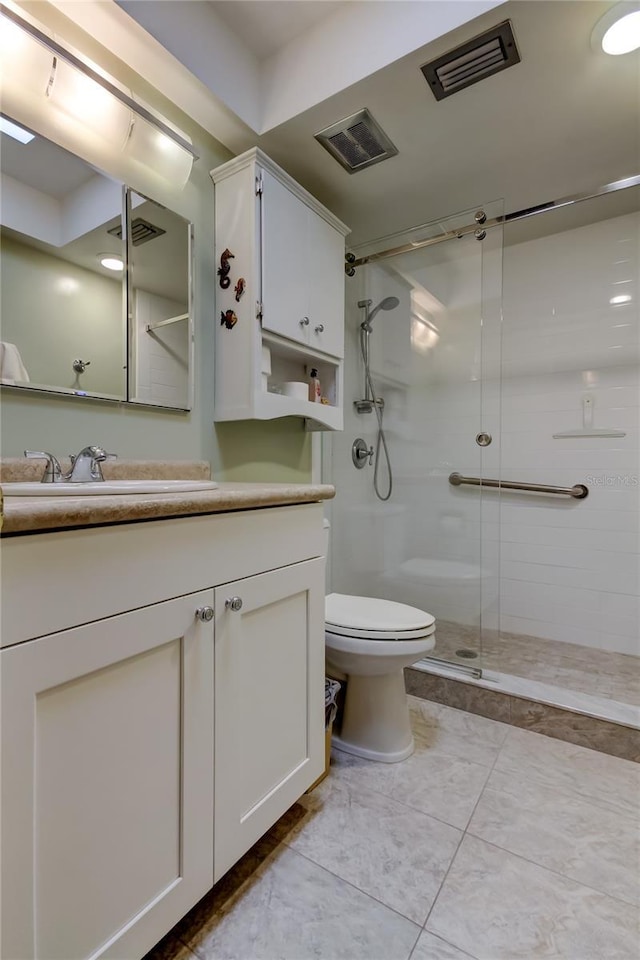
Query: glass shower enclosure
[[434, 359], [509, 353]]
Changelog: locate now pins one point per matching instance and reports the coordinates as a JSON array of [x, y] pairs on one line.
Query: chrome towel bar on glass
[[578, 491]]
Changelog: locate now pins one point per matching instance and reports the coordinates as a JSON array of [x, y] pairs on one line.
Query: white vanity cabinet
[[268, 737], [107, 739], [289, 250], [129, 686]]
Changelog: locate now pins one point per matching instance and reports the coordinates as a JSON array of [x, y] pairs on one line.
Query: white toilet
[[370, 641]]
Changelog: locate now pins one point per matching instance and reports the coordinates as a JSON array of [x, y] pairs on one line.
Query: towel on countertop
[[11, 365]]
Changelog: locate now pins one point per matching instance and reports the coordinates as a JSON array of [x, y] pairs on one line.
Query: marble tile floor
[[602, 673], [489, 842]]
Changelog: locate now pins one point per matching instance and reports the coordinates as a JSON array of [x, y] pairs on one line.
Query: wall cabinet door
[[269, 714], [285, 299], [302, 271], [107, 773], [326, 286]]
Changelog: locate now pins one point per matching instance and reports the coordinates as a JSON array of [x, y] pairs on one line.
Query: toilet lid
[[372, 615]]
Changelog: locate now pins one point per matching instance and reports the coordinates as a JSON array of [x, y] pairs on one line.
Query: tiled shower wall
[[570, 569]]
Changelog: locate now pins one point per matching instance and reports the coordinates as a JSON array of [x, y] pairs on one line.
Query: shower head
[[389, 303]]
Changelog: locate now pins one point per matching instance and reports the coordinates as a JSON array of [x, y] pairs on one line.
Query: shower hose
[[381, 439]]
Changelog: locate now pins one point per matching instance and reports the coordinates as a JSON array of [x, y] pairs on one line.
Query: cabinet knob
[[233, 603], [204, 614], [319, 328], [304, 322]]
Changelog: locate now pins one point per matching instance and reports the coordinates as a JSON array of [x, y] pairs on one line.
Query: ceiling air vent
[[357, 141], [486, 54], [141, 231]]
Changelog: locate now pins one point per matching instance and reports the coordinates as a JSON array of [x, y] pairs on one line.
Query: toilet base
[[341, 744], [376, 724]]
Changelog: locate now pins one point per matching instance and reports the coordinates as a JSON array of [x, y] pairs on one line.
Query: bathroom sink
[[106, 487]]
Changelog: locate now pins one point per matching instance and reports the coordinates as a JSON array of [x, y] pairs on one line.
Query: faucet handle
[[52, 471]]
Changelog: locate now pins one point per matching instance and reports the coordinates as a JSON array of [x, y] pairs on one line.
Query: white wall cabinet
[[112, 729], [289, 250]]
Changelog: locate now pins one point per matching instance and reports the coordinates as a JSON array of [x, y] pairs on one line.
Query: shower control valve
[[360, 453]]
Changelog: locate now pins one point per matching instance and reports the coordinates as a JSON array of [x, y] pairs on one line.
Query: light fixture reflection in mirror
[[110, 262], [67, 286]]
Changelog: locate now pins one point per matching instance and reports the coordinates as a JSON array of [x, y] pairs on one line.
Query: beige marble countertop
[[36, 514]]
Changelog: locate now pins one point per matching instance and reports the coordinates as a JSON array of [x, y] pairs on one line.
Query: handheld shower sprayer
[[389, 303], [371, 402]]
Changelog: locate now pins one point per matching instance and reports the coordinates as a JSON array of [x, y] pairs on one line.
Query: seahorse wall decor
[[224, 268], [228, 319], [239, 288]]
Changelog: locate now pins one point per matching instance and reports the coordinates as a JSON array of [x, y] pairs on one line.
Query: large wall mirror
[[86, 308]]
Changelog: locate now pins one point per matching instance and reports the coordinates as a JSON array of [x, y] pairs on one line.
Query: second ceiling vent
[[357, 141], [486, 54]]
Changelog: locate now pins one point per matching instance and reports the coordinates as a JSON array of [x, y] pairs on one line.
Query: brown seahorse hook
[[224, 268]]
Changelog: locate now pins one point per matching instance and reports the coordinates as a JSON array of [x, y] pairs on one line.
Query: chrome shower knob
[[360, 453]]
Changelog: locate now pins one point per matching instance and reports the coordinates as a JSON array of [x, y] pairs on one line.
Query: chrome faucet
[[85, 466]]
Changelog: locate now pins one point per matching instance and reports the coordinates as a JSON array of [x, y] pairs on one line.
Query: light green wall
[[278, 450], [268, 450]]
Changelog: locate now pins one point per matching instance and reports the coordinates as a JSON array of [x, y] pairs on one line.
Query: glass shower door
[[434, 360]]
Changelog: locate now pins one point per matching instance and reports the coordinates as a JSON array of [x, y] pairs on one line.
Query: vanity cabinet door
[[107, 774], [269, 712]]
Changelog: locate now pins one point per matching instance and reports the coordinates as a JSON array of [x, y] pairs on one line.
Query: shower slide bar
[[578, 491], [481, 224]]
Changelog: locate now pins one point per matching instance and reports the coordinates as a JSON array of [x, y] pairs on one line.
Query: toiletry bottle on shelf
[[315, 394]]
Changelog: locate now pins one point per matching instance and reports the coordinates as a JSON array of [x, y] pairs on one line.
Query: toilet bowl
[[370, 641]]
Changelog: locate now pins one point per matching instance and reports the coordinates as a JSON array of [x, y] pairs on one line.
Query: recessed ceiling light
[[110, 261], [621, 298], [13, 130], [618, 31]]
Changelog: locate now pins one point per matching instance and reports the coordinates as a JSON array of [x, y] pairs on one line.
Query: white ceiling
[[266, 27], [564, 120]]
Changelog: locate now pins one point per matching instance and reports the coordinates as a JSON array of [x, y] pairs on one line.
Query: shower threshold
[[451, 668], [601, 708]]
